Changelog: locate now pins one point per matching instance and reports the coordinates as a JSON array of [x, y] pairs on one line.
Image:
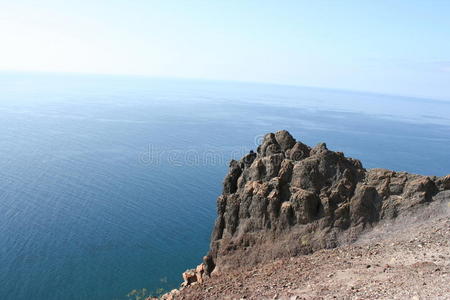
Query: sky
[[393, 47]]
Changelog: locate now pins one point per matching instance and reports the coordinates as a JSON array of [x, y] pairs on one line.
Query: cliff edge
[[288, 199]]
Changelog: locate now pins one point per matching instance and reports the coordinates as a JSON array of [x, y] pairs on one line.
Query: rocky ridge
[[288, 199]]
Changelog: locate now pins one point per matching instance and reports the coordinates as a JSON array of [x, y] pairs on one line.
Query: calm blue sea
[[108, 184]]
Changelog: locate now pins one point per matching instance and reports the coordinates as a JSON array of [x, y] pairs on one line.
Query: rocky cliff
[[289, 199]]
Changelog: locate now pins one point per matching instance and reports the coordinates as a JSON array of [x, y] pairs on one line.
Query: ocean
[[108, 184]]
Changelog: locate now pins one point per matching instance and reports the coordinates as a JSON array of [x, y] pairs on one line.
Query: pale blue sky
[[395, 47]]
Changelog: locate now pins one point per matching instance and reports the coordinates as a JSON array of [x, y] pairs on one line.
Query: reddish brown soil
[[409, 259]]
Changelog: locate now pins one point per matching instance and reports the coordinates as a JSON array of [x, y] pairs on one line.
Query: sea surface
[[109, 184]]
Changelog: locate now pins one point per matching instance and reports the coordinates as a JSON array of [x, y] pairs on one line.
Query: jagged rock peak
[[288, 199]]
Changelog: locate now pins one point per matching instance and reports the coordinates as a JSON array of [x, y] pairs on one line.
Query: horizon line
[[291, 85]]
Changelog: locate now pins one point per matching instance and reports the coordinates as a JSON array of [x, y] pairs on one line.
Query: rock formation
[[289, 199]]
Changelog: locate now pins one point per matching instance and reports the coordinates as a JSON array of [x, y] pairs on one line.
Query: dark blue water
[[108, 184]]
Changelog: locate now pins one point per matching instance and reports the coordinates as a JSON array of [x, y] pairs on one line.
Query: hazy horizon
[[150, 77], [395, 48]]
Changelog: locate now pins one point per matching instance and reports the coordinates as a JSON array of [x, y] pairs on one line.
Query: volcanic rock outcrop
[[289, 199]]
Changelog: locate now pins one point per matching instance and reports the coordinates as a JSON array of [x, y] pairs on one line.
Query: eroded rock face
[[194, 275], [289, 199]]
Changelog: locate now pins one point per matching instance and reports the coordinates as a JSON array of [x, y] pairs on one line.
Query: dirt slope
[[405, 259]]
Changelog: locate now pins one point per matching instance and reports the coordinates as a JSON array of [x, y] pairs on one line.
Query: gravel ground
[[408, 259]]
